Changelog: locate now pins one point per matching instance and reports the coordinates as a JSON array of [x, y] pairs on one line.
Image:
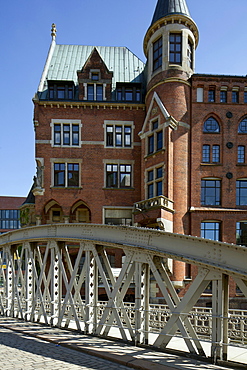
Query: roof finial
[[53, 31]]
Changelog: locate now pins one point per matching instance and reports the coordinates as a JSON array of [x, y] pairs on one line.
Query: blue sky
[[25, 38]]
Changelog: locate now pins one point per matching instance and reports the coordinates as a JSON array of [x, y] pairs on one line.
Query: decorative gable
[[94, 79]]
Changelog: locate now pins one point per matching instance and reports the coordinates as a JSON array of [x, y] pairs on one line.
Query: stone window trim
[[66, 162], [95, 75], [118, 163], [62, 123], [123, 135], [94, 84], [153, 182]]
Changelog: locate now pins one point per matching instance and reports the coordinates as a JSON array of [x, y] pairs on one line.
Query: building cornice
[[90, 105], [209, 209]]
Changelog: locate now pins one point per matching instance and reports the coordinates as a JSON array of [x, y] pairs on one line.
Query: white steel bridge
[[53, 273]]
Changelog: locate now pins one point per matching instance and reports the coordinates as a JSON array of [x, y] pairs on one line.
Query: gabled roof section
[[168, 118], [91, 59], [169, 7], [65, 60]]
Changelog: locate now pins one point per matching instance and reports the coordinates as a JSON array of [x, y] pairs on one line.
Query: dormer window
[[95, 92], [129, 92], [61, 91]]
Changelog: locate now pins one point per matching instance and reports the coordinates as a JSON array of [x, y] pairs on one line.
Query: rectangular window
[[125, 176], [155, 182], [199, 94], [175, 48], [118, 136], [159, 140], [57, 134], [210, 192], [95, 76], [66, 174], [211, 95], [99, 92], [73, 174], [90, 92], [216, 154], [118, 176], [241, 192], [157, 54], [9, 219], [59, 174], [241, 233], [223, 96], [241, 154], [245, 96], [61, 91], [206, 153], [129, 92], [66, 134], [151, 144], [210, 230], [235, 96]]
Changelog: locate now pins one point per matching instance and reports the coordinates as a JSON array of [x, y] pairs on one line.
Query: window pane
[[159, 140], [90, 92], [216, 154], [99, 92], [118, 134], [66, 134], [242, 128], [206, 153], [241, 192], [159, 188], [75, 135], [241, 233], [158, 172], [150, 190], [73, 174], [127, 136], [61, 92], [59, 174], [210, 230], [150, 144], [211, 125], [241, 154], [57, 134], [109, 135], [210, 192], [150, 175], [157, 54], [111, 175]]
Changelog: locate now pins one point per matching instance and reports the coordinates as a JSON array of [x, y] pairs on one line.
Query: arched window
[[211, 125], [242, 127]]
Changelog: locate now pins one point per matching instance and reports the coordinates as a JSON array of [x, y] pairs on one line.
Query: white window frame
[[123, 124], [118, 162], [65, 161], [65, 122]]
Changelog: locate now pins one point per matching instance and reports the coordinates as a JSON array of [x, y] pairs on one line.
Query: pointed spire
[[169, 7], [53, 31]]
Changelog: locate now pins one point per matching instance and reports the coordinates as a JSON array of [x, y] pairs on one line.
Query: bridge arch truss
[[53, 273]]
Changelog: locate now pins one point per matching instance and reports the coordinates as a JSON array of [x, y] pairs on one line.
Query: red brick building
[[154, 145]]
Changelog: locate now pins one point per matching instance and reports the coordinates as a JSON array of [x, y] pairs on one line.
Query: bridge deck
[[118, 352]]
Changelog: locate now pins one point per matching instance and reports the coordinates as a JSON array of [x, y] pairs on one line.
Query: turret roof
[[168, 7]]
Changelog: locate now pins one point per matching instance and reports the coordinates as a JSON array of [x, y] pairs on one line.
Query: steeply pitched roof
[[66, 60], [168, 7]]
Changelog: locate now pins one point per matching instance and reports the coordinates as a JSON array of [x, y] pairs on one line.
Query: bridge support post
[[9, 283], [91, 293], [141, 302], [219, 321], [28, 282], [55, 273]]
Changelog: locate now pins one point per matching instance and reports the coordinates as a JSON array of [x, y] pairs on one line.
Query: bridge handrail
[[228, 258]]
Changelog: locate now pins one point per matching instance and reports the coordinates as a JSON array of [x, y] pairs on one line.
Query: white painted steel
[[53, 273]]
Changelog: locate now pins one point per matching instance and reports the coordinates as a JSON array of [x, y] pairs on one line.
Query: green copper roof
[[66, 60], [168, 7]]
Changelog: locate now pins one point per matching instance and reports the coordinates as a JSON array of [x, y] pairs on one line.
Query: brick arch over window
[[211, 125], [53, 212], [80, 212]]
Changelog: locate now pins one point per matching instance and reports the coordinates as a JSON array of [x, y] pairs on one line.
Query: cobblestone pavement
[[20, 351]]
